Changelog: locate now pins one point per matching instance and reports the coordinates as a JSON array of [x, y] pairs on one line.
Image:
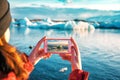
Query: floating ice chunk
[[84, 26], [13, 20], [91, 27], [70, 25], [48, 20], [96, 24], [28, 22]]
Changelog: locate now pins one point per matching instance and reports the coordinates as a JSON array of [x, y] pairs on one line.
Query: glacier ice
[[49, 24]]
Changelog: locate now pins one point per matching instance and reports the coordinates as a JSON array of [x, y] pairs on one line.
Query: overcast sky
[[92, 4]]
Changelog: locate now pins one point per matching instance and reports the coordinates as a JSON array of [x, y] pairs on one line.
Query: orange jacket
[[78, 75], [74, 75]]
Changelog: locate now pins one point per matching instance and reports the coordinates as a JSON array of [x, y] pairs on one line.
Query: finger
[[75, 46], [65, 56], [73, 55], [77, 58], [61, 54], [38, 45], [47, 55], [76, 54], [73, 60], [40, 53], [40, 42]]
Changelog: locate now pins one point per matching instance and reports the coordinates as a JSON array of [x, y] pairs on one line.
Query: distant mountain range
[[62, 13]]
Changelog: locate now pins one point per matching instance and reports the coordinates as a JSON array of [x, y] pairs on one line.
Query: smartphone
[[57, 46]]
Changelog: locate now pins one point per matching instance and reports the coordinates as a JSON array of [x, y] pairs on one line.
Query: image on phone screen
[[58, 46]]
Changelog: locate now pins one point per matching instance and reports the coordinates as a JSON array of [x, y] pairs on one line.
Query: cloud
[[104, 7], [69, 1]]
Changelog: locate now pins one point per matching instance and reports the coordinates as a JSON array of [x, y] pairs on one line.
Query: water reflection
[[99, 47], [83, 33], [51, 32], [67, 33], [27, 31]]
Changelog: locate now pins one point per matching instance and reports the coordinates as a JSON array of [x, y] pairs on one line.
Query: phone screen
[[58, 46]]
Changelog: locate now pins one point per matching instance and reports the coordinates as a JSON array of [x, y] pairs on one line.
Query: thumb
[[73, 54], [74, 60]]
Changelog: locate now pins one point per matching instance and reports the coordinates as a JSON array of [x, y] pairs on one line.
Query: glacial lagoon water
[[100, 52]]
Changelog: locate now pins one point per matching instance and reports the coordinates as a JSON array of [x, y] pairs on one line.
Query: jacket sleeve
[[78, 75], [27, 64]]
